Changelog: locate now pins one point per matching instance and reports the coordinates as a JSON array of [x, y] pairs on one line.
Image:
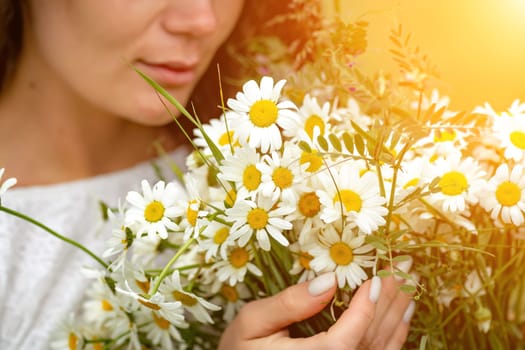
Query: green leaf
[[403, 274], [401, 258], [349, 142], [334, 140], [322, 143], [359, 144], [304, 146], [407, 288], [384, 273]]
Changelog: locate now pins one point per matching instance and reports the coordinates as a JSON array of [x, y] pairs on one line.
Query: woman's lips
[[170, 74]]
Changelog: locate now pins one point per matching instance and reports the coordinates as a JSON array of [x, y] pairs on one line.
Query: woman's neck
[[47, 135]]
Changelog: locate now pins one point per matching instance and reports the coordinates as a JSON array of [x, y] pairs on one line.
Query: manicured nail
[[409, 312], [375, 289], [321, 284], [404, 266]]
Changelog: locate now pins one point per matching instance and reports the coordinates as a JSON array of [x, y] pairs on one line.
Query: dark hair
[[11, 32]]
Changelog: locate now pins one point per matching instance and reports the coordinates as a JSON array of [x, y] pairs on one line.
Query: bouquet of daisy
[[331, 170]]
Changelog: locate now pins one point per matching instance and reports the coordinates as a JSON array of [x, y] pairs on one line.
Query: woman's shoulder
[[106, 187]]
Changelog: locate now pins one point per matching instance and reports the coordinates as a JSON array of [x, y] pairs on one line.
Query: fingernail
[[375, 289], [321, 284], [404, 266], [409, 312]]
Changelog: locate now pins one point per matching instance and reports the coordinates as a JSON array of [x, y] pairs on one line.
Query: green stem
[[54, 233], [166, 269]]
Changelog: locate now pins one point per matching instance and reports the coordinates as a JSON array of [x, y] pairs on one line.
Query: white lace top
[[40, 276]]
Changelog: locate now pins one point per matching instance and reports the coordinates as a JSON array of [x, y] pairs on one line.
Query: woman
[[78, 125]]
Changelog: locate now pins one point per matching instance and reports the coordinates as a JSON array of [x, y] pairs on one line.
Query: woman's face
[[89, 47]]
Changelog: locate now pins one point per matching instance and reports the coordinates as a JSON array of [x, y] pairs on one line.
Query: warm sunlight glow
[[477, 45]]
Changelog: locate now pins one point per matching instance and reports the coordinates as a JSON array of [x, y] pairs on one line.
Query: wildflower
[[345, 254], [196, 305], [355, 197], [259, 114], [504, 195], [236, 266], [263, 218], [154, 210]]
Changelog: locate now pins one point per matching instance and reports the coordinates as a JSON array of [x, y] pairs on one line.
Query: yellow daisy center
[[227, 138], [192, 214], [257, 218], [220, 235], [411, 183], [143, 285], [445, 136], [309, 204], [263, 113], [351, 200], [518, 139], [72, 341], [282, 177], [251, 178], [341, 253], [508, 193], [229, 293], [314, 121], [154, 211], [453, 183], [184, 298], [160, 321], [231, 196], [315, 160], [304, 260], [98, 346], [149, 305], [106, 305], [239, 257]]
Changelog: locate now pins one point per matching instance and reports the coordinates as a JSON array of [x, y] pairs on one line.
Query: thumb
[[294, 304]]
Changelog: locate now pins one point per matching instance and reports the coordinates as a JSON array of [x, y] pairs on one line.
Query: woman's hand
[[377, 318]]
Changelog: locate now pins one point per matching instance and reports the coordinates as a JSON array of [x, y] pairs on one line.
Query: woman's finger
[[266, 316], [398, 338], [351, 327]]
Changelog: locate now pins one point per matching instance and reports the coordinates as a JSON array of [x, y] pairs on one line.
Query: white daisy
[[234, 269], [510, 131], [461, 181], [260, 113], [312, 120], [220, 133], [170, 310], [344, 254], [67, 336], [153, 211], [504, 196], [101, 305], [231, 298], [262, 218], [214, 239], [301, 264], [355, 197], [282, 174], [159, 330], [7, 184], [197, 306], [242, 169], [190, 205]]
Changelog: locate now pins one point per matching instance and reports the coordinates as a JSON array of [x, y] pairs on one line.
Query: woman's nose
[[194, 17]]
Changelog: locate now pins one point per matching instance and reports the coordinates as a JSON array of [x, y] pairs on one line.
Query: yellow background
[[478, 46]]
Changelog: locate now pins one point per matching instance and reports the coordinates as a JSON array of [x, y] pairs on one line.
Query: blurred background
[[478, 46]]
